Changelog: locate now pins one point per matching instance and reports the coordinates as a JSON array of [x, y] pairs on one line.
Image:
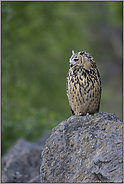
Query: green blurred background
[[37, 39]]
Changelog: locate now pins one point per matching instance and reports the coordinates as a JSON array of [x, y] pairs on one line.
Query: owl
[[83, 84]]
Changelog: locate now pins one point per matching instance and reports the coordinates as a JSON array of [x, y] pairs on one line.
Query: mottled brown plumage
[[83, 84]]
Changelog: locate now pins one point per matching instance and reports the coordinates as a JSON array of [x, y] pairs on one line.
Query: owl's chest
[[80, 78]]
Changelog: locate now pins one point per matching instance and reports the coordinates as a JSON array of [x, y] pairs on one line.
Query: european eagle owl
[[83, 84]]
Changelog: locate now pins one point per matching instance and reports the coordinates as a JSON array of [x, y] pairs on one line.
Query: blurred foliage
[[37, 39]]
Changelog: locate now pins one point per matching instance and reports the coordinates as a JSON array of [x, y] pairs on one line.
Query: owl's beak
[[70, 64]]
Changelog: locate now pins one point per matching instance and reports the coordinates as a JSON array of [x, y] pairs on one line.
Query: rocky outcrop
[[84, 149], [21, 164], [80, 149]]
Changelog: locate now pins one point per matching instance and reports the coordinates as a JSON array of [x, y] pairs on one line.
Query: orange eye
[[76, 59]]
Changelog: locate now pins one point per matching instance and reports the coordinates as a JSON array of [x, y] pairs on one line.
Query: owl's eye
[[76, 59]]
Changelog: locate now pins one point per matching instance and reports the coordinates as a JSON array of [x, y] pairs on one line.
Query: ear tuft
[[72, 52]]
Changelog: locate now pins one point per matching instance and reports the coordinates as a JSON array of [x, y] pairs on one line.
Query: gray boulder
[[84, 149], [21, 163]]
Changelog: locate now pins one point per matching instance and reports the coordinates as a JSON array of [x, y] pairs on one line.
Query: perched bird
[[83, 84]]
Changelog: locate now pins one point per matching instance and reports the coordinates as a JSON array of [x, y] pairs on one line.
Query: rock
[[84, 149], [22, 162]]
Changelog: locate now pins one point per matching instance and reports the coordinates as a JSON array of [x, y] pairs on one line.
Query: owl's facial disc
[[73, 60]]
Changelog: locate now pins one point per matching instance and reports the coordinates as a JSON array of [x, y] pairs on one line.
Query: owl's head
[[82, 58]]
